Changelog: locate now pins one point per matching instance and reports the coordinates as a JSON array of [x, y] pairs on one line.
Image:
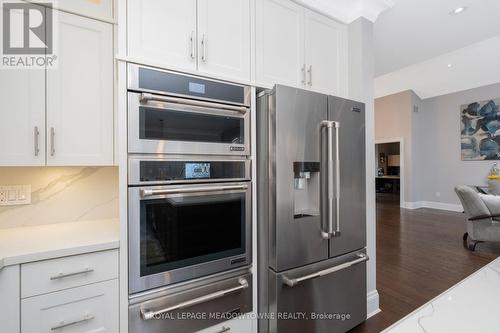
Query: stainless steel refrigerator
[[311, 212]]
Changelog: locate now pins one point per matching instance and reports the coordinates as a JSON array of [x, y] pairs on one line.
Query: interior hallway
[[419, 256]]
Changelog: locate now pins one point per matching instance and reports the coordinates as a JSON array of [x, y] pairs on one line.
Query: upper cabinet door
[[80, 94], [326, 54], [280, 42], [22, 114], [224, 38], [163, 32]]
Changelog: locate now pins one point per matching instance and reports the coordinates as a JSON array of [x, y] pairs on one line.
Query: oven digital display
[[197, 170], [196, 88]]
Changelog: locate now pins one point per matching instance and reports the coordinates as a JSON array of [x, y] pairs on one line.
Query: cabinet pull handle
[[309, 71], [224, 329], [36, 137], [303, 74], [63, 275], [52, 144], [191, 40], [203, 49], [72, 323]]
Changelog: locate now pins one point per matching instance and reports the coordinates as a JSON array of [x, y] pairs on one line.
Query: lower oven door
[[193, 306], [177, 233]]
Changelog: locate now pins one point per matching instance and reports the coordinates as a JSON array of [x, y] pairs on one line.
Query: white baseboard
[[372, 307], [433, 205]]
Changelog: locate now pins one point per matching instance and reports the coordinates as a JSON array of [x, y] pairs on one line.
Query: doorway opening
[[389, 184]]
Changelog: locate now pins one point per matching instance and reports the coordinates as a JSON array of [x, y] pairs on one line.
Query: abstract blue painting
[[480, 126]]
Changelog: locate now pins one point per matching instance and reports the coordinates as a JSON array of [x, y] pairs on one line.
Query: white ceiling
[[413, 31], [473, 66], [348, 10]]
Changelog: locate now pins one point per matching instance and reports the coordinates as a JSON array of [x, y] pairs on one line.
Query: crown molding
[[347, 11]]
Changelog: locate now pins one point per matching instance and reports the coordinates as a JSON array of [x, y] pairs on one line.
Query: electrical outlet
[[15, 195]]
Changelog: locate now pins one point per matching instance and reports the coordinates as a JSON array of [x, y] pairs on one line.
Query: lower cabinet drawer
[[91, 308], [47, 276], [236, 325]]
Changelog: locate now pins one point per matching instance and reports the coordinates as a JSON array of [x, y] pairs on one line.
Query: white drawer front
[[68, 272], [236, 325], [92, 308]]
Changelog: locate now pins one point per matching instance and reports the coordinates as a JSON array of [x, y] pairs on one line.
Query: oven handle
[[147, 314], [293, 282], [148, 192], [145, 97]]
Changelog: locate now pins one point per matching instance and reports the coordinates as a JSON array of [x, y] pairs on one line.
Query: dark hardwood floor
[[419, 256]]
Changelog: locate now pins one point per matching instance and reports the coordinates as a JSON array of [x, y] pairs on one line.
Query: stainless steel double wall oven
[[189, 198]]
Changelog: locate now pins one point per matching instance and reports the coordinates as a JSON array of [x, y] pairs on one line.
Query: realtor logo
[[27, 35]]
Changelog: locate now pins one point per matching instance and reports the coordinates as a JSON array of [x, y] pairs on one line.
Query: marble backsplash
[[61, 194]]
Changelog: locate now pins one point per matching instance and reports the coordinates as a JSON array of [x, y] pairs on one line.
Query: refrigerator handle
[[361, 257], [330, 179]]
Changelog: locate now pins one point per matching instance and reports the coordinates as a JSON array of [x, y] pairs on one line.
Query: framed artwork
[[480, 130]]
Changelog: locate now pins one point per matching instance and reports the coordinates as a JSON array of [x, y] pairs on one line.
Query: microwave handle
[[147, 314], [147, 192], [146, 97]]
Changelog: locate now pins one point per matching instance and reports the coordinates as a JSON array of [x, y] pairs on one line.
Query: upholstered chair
[[482, 213]]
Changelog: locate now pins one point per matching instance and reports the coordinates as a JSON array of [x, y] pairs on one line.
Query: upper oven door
[[177, 233], [170, 125]]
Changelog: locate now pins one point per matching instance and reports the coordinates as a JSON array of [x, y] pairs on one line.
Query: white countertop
[[26, 244], [472, 305]]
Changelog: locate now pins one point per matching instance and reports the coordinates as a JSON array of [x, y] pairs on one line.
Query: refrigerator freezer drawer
[[325, 297]]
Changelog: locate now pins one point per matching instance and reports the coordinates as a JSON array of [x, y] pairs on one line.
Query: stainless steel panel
[[339, 294], [134, 168], [138, 283], [352, 216], [138, 145], [297, 116], [133, 84], [234, 295]]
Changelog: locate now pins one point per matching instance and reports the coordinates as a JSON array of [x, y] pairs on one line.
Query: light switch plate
[[12, 195]]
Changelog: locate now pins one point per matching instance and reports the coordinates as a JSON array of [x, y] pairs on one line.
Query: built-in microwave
[[173, 113], [188, 217]]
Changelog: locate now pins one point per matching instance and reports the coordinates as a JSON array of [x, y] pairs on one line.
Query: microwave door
[[159, 125]]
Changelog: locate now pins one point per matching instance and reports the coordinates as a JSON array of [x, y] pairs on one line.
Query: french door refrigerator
[[311, 212]]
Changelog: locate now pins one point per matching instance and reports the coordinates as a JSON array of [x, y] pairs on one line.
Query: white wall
[[61, 194], [438, 154], [361, 76]]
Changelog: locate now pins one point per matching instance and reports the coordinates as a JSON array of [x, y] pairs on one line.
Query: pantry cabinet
[[80, 94], [298, 47], [62, 115], [211, 37]]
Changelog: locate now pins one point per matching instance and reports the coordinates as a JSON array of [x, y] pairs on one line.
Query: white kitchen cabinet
[[100, 9], [163, 32], [301, 48], [10, 301], [279, 42], [90, 308], [80, 94], [22, 115], [326, 56], [224, 38]]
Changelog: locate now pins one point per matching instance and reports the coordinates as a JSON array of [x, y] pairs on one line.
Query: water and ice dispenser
[[306, 189]]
